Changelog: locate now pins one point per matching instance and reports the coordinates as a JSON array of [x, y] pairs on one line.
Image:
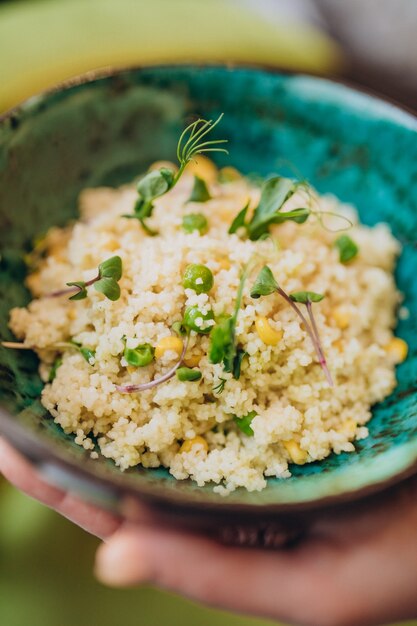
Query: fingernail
[[119, 563]]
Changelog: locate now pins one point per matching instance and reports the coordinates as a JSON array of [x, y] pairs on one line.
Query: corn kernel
[[72, 313], [341, 317], [112, 245], [193, 360], [230, 173], [159, 164], [33, 282], [203, 167], [398, 349], [224, 263], [190, 443], [265, 331], [166, 344], [349, 428], [339, 345], [297, 455]]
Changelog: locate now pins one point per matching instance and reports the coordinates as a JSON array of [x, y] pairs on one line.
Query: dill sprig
[[158, 182]]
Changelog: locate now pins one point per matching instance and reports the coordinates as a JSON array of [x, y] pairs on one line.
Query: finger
[[249, 581], [22, 475]]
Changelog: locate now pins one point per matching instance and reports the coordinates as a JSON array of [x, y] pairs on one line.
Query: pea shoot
[[188, 374], [223, 345], [194, 319], [198, 277], [88, 354], [106, 282], [200, 192], [244, 423], [274, 194], [195, 222], [266, 284], [348, 249], [158, 182]]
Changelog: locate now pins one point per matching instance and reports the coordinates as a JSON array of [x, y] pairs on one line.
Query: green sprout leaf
[[306, 296], [140, 356], [55, 365], [188, 374], [239, 221], [275, 192], [82, 293], [200, 192], [347, 248], [223, 346], [265, 283], [111, 268], [87, 353], [108, 287], [244, 423]]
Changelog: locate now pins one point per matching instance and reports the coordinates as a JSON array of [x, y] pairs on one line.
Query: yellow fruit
[[190, 443], [203, 167], [265, 331], [297, 455], [193, 360], [341, 317], [170, 343], [398, 349]]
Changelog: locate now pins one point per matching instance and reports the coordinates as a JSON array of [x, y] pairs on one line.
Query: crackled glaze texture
[[108, 130]]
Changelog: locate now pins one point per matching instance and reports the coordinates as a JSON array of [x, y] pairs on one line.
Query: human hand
[[352, 569]]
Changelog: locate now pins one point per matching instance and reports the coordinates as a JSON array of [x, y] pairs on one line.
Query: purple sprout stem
[[322, 358], [157, 381], [311, 333], [70, 290]]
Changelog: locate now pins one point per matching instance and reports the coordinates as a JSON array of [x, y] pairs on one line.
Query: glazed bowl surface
[[105, 130]]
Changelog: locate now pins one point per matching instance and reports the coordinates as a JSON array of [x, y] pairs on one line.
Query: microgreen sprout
[[133, 388], [158, 182], [266, 284], [200, 192], [106, 282], [223, 346], [244, 423], [348, 249]]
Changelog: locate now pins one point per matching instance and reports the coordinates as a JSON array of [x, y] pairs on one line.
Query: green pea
[[188, 374], [195, 221], [192, 313], [198, 277], [140, 356]]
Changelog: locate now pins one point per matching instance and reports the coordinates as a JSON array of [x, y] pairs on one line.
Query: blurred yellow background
[[46, 562]]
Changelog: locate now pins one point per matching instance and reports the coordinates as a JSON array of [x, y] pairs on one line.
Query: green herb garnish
[[244, 423], [347, 248], [266, 284], [195, 221], [55, 365], [274, 194], [158, 182], [219, 388], [200, 192], [106, 282], [223, 347], [140, 356], [188, 374]]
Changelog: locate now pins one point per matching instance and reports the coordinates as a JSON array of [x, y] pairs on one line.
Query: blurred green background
[[46, 562]]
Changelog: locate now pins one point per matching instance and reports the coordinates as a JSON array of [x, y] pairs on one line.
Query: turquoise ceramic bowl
[[107, 129]]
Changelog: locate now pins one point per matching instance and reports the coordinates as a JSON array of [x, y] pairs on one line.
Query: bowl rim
[[36, 448]]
